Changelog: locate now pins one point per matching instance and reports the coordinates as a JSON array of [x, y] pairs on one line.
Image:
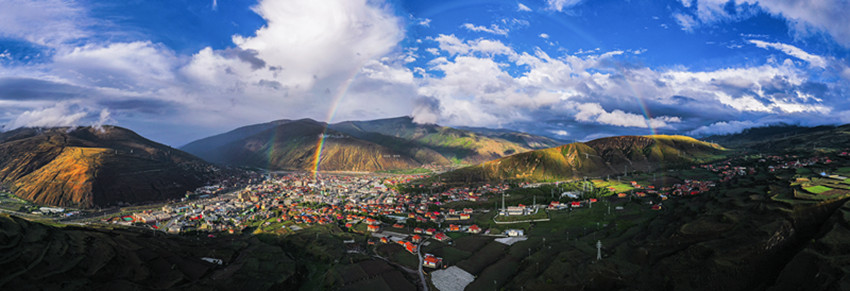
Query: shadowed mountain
[[774, 133], [460, 146], [292, 145], [600, 157], [788, 138], [385, 144], [87, 167], [205, 147]]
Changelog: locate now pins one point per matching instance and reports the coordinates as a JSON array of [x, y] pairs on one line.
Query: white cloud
[[494, 29], [60, 114], [43, 22], [135, 66], [593, 112], [455, 46], [813, 60], [312, 40], [724, 127], [560, 132], [804, 17], [560, 5], [687, 22], [473, 87], [522, 7], [544, 36]]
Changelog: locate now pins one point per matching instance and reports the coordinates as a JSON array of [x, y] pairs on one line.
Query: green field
[[817, 189], [618, 186]]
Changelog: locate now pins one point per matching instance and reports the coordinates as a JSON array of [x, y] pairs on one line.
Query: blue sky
[[175, 71]]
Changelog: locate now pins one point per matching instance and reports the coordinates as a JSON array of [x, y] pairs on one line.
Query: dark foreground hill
[[34, 256], [596, 158], [88, 167], [376, 145]]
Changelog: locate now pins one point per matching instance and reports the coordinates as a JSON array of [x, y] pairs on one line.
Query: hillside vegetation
[[34, 256], [605, 156], [87, 167], [377, 145]]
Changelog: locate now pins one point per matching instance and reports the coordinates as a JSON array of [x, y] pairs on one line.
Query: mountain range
[[596, 158], [377, 145]]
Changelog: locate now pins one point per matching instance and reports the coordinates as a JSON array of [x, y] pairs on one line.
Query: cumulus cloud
[[725, 127], [494, 29], [593, 112], [474, 85], [544, 36], [61, 114], [308, 40], [455, 46]]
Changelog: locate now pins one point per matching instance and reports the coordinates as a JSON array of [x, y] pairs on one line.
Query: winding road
[[421, 271]]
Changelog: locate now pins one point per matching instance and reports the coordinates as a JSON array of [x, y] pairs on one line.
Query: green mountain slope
[[605, 156], [385, 144], [293, 146]]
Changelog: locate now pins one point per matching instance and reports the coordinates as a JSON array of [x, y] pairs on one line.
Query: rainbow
[[320, 143]]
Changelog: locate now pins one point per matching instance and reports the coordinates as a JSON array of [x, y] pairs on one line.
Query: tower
[[504, 210], [598, 250]]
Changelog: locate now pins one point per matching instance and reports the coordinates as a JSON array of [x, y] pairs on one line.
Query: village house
[[410, 247], [432, 261], [441, 237]]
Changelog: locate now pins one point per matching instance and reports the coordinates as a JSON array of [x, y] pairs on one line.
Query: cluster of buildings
[[304, 199]]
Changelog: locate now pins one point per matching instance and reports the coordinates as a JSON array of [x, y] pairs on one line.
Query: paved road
[[421, 260]]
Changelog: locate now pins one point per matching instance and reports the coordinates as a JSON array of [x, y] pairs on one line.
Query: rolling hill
[[87, 167], [292, 145], [600, 157], [469, 146], [385, 144]]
